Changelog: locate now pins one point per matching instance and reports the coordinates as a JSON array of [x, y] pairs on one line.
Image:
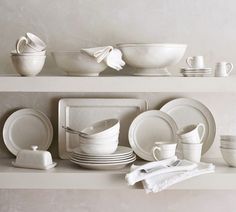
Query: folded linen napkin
[[158, 183], [98, 52], [157, 168]]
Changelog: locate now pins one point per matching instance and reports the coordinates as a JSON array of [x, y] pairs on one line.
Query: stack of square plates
[[117, 160], [196, 72]]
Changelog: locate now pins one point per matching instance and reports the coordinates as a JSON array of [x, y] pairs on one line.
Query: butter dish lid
[[34, 159]]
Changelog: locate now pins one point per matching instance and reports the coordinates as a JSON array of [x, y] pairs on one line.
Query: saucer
[[195, 70]]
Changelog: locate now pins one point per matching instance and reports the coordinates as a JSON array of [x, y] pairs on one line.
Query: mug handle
[[19, 43], [200, 125], [229, 67], [154, 149], [189, 61]]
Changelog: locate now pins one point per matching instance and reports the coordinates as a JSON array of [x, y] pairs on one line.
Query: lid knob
[[34, 148]]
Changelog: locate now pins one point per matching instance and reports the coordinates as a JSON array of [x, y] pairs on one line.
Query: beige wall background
[[207, 26]]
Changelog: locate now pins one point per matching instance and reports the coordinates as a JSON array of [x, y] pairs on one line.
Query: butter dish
[[34, 159]]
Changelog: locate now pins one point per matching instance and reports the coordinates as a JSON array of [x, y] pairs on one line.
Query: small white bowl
[[101, 129], [78, 63], [228, 144], [99, 140], [28, 65], [229, 155], [99, 149]]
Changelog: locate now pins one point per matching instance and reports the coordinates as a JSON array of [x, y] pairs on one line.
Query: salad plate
[[186, 111], [25, 128], [148, 128]]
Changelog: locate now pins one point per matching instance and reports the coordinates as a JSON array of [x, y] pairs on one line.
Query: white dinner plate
[[104, 161], [120, 151], [104, 166], [79, 113], [101, 159], [148, 128], [187, 111], [27, 127]]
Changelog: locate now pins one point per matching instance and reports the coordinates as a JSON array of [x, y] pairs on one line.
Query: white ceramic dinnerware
[[41, 53], [192, 152], [192, 133], [34, 159], [193, 72], [195, 62], [228, 141], [150, 127], [186, 111], [78, 113], [152, 59], [119, 159], [78, 63], [29, 43], [27, 127], [28, 65], [163, 150], [229, 156], [223, 69], [102, 129]]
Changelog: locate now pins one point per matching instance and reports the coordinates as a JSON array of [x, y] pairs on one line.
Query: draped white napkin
[[110, 56], [162, 174]]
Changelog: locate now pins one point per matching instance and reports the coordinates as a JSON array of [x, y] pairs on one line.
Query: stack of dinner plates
[[196, 72], [117, 160]]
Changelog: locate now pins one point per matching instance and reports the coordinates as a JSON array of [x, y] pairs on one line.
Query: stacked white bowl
[[29, 56], [100, 138], [228, 149]]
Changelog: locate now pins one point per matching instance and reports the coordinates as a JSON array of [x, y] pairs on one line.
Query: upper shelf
[[116, 84]]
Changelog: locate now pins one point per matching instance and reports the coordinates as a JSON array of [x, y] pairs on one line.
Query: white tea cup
[[29, 43], [223, 69], [195, 62], [163, 150], [192, 152], [192, 134]]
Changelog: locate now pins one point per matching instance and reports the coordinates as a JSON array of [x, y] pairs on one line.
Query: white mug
[[29, 43], [223, 69], [195, 62], [163, 150], [192, 152], [192, 133]]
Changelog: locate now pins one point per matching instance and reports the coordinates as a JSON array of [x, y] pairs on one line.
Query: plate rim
[[26, 111]]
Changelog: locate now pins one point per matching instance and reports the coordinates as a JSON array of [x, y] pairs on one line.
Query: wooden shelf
[[69, 176], [116, 84]]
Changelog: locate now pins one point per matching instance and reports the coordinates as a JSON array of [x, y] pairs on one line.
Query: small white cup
[[163, 150], [192, 134], [29, 43], [223, 69], [192, 152], [195, 62]]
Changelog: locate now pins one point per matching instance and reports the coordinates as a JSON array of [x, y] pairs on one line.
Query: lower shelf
[[69, 176]]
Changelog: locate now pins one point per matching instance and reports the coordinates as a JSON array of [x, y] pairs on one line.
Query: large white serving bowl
[[78, 63], [152, 59], [99, 140], [29, 65], [228, 144], [229, 155], [101, 129]]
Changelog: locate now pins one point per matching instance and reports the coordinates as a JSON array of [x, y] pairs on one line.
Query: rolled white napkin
[[98, 52], [158, 183]]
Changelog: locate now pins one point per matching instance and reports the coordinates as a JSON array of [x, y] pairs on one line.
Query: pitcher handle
[[230, 67], [200, 125]]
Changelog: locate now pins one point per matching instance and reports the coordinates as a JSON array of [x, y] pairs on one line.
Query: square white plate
[[79, 113]]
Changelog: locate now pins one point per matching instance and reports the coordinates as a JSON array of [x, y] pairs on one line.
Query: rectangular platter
[[79, 113]]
